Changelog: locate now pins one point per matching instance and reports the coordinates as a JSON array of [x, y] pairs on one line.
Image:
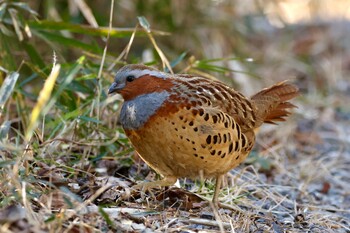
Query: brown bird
[[188, 126]]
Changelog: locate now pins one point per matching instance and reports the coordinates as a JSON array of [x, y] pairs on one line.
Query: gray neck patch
[[137, 111]]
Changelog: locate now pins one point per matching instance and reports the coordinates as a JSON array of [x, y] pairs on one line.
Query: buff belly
[[175, 149]]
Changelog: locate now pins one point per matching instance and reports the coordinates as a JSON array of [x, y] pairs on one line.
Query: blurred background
[[299, 39]]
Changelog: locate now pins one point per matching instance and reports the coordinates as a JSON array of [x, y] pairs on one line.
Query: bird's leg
[[217, 190]]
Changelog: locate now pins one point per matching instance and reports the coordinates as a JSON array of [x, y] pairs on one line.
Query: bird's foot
[[147, 186]]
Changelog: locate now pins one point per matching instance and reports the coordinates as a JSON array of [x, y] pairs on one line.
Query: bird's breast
[[136, 112]]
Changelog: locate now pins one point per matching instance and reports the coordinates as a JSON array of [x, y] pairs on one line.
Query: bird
[[187, 126]]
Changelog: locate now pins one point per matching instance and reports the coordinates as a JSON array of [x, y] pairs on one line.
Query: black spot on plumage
[[237, 157], [219, 138], [226, 124], [218, 96], [203, 146], [224, 138], [193, 142], [176, 129], [173, 123], [223, 92], [230, 148], [194, 148], [210, 89], [181, 117], [238, 131], [190, 123], [195, 155], [243, 140], [208, 139], [194, 112], [219, 152], [201, 112], [249, 104], [234, 95], [186, 84], [236, 145], [195, 129], [202, 157], [206, 117], [212, 152], [221, 116], [244, 107], [215, 119], [187, 139], [215, 139], [204, 100], [183, 127]]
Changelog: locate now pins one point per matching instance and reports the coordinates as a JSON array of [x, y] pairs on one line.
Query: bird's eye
[[130, 78]]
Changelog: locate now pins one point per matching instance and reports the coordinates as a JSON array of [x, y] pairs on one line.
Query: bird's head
[[134, 80]]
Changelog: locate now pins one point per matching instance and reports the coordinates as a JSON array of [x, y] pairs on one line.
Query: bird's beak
[[113, 88]]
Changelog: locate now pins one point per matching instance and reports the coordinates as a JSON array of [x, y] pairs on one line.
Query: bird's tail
[[272, 103]]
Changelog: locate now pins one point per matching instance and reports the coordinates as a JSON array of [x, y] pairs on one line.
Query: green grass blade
[[88, 30], [52, 37], [106, 217], [34, 55], [176, 61], [4, 129], [7, 88]]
